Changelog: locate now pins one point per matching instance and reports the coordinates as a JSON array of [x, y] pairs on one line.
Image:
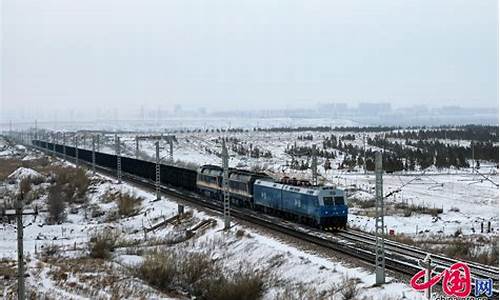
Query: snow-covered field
[[293, 269], [467, 199]]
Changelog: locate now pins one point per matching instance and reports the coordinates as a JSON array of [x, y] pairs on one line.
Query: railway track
[[400, 257], [479, 270]]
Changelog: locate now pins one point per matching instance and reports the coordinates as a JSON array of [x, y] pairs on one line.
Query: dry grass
[[348, 288], [199, 276], [74, 182], [91, 278], [7, 269], [56, 205], [402, 238], [103, 243], [50, 251], [456, 247], [127, 204], [240, 233], [9, 165], [159, 269], [362, 203], [300, 292], [244, 284], [419, 209]]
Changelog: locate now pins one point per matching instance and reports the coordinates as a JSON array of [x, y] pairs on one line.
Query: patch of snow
[[23, 173]]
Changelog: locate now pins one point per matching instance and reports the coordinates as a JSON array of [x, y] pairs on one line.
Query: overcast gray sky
[[228, 54]]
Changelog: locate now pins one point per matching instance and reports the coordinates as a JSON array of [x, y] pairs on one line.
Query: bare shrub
[[7, 166], [50, 250], [198, 275], [159, 269], [195, 266], [127, 204], [102, 243], [455, 209], [300, 292], [489, 257], [402, 238], [25, 186], [245, 284], [109, 196], [74, 182], [240, 233], [362, 203], [347, 288], [56, 205], [95, 210]]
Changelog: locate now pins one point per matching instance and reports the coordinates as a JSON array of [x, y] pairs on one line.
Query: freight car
[[320, 206], [171, 175]]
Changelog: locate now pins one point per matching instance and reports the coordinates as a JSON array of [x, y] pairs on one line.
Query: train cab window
[[339, 200], [327, 201]]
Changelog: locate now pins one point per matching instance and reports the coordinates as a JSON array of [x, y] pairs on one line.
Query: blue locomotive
[[321, 206]]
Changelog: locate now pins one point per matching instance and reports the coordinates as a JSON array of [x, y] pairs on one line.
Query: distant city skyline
[[116, 56], [365, 114]]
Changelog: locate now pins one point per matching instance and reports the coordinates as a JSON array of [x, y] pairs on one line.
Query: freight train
[[320, 206]]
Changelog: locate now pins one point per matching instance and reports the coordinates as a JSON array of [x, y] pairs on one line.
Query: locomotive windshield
[[327, 201], [339, 200]]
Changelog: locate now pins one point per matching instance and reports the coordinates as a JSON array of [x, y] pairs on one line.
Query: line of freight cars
[[321, 206]]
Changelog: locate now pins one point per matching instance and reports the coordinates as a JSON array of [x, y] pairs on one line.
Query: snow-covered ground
[[475, 197], [293, 268]]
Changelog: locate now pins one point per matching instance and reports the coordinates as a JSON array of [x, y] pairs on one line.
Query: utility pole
[[473, 160], [171, 143], [118, 159], [379, 222], [314, 166], [53, 144], [18, 213], [158, 194], [364, 153], [225, 183], [98, 143], [427, 265], [76, 149], [93, 154], [137, 147], [64, 145]]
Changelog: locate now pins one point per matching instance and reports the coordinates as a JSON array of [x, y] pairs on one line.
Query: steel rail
[[404, 263]]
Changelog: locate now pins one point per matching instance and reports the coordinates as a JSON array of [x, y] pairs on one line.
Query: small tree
[[56, 205], [25, 186]]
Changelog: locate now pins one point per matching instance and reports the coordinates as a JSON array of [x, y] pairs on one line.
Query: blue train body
[[322, 206]]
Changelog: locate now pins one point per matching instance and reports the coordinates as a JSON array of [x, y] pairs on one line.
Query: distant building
[[332, 109], [375, 108]]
